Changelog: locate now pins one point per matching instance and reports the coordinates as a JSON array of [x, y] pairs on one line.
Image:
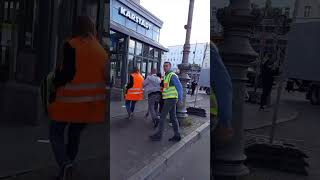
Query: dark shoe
[[131, 116], [155, 137], [175, 138], [155, 123], [67, 172]]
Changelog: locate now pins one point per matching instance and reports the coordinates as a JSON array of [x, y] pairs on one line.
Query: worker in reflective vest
[[172, 92], [213, 105], [80, 93], [222, 85], [134, 91]]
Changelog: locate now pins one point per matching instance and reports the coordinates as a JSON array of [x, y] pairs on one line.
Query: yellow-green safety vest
[[213, 104], [169, 92]]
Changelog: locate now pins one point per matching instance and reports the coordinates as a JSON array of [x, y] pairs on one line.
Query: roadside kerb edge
[[160, 164]]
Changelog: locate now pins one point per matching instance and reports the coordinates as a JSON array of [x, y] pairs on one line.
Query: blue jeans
[[221, 81], [153, 101], [130, 105], [65, 152]]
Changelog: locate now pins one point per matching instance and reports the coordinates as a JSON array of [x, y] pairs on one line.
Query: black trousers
[[161, 104], [192, 91], [65, 152], [266, 91]]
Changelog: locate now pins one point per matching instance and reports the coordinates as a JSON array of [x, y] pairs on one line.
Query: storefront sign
[[132, 16]]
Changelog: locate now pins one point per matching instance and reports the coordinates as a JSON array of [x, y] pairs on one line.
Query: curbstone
[[279, 121], [160, 164], [151, 170], [171, 154], [191, 138], [203, 129]]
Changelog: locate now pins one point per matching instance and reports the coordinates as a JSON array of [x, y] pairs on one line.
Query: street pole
[[237, 54], [194, 52], [204, 56], [279, 90], [184, 67], [261, 50], [13, 43]]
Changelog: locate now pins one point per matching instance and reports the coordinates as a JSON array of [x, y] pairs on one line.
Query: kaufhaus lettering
[[134, 17]]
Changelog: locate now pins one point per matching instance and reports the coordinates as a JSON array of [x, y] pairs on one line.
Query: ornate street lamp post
[[185, 67], [237, 53]]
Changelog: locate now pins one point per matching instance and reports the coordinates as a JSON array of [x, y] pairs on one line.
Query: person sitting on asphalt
[[134, 91], [172, 94], [151, 86]]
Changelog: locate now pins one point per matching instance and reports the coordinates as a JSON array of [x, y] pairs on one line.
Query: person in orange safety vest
[[134, 91], [80, 92]]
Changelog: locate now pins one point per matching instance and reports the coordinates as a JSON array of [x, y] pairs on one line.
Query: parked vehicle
[[204, 80], [303, 62]]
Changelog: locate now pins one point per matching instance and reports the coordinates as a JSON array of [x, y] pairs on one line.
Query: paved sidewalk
[[303, 132], [27, 152], [255, 118], [193, 164], [118, 107], [131, 149]]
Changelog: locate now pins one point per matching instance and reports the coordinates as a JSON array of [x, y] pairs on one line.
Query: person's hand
[[223, 135], [180, 102]]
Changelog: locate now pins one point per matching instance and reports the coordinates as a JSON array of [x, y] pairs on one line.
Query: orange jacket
[[161, 87], [136, 92], [83, 99]]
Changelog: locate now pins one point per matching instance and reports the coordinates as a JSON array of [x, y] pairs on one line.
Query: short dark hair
[[135, 70], [83, 26], [167, 62]]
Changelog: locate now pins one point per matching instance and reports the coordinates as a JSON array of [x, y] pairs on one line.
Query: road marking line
[[43, 141]]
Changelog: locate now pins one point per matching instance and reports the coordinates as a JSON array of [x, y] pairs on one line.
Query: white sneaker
[[130, 116], [67, 172]]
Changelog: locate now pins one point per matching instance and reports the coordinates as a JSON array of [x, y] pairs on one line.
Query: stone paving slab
[[158, 166], [131, 149], [28, 150], [301, 132]]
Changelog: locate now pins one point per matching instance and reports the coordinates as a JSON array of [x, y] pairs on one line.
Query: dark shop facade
[[31, 36], [134, 36]]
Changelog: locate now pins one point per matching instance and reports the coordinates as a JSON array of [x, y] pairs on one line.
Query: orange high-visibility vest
[[161, 88], [136, 92], [83, 99]]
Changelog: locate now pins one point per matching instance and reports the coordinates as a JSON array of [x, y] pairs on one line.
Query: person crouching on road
[[134, 91], [80, 93], [152, 88], [172, 92]]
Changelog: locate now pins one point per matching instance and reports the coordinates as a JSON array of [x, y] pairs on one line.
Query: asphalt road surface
[[192, 164]]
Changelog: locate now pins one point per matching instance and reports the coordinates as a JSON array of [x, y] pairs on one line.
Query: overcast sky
[[174, 14]]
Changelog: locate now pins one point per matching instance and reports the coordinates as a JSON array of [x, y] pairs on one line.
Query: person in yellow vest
[[80, 93], [222, 84], [134, 91], [172, 93], [213, 105]]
